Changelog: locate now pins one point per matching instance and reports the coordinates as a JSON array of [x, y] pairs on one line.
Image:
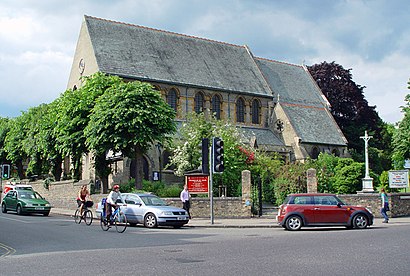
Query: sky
[[370, 37]]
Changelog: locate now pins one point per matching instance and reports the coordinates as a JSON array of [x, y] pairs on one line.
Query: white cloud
[[38, 38]]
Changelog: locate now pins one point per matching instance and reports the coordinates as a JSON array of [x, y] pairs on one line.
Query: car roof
[[312, 194], [140, 194]]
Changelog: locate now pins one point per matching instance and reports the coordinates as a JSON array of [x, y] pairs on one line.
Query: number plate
[[39, 208]]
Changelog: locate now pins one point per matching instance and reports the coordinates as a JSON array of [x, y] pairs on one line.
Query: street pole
[[211, 193]]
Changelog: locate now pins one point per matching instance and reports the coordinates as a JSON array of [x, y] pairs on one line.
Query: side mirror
[[339, 204]]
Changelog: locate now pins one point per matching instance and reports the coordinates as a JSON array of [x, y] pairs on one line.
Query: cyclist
[[111, 202], [84, 198]]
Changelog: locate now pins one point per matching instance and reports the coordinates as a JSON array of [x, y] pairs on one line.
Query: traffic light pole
[[211, 193]]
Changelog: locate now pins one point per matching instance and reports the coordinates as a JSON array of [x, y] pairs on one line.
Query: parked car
[[321, 210], [25, 201], [150, 210]]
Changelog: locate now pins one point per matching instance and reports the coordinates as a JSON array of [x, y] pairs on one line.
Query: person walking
[[385, 205], [185, 198]]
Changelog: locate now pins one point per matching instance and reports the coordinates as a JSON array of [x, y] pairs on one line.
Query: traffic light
[[205, 155], [218, 155], [5, 171]]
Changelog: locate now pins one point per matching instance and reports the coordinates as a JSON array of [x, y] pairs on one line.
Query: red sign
[[197, 184]]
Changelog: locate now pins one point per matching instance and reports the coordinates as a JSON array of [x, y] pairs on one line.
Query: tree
[[401, 137], [4, 129], [352, 113], [238, 155], [74, 108], [13, 144], [48, 144], [128, 118]]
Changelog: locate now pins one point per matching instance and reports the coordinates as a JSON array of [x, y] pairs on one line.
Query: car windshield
[[153, 201], [29, 195]]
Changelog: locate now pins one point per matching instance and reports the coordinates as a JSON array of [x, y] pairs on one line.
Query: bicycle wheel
[[120, 222], [77, 217], [104, 224], [88, 217]]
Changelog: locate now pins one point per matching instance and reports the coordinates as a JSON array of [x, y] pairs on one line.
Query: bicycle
[[117, 217], [87, 215]]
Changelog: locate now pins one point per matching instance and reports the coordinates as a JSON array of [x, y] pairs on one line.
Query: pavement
[[253, 222]]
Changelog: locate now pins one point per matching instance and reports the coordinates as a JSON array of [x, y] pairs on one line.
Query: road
[[55, 245]]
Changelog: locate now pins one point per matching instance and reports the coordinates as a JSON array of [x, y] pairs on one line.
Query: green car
[[25, 201]]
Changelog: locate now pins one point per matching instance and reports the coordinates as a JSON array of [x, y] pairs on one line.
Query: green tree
[[48, 145], [401, 137], [13, 144], [4, 129], [74, 108], [37, 164], [128, 118]]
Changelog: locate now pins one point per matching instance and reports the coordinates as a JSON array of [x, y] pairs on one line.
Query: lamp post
[[159, 147]]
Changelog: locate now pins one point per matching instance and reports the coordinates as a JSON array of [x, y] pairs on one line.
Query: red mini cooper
[[321, 210]]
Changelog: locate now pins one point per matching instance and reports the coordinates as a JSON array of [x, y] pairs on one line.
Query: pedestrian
[[185, 198], [385, 205]]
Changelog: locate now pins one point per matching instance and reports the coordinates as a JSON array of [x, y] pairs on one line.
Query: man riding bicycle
[[111, 202]]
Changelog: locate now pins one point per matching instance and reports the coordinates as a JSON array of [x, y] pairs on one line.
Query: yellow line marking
[[9, 250]]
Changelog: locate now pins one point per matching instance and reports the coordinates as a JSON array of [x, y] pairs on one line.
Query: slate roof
[[291, 82], [263, 136], [148, 54], [314, 125], [302, 102]]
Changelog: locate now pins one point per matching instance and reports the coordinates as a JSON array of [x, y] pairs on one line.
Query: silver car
[[150, 210]]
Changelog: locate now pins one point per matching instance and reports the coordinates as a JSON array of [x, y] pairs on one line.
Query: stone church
[[278, 105]]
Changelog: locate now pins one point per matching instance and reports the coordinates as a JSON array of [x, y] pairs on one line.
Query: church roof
[[302, 101], [147, 54], [143, 53]]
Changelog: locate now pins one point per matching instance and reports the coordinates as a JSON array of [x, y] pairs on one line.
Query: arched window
[[172, 99], [315, 153], [199, 102], [240, 110], [216, 106], [256, 112]]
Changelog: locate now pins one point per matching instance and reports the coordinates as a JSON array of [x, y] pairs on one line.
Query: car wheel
[[19, 210], [294, 223], [150, 220], [360, 221], [3, 208], [46, 214]]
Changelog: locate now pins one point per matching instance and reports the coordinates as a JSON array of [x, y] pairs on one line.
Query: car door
[[134, 210], [327, 210], [12, 200]]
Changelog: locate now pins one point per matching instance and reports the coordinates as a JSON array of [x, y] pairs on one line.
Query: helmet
[[116, 187]]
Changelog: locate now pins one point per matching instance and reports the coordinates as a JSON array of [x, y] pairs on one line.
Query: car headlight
[[28, 204], [47, 205], [167, 213]]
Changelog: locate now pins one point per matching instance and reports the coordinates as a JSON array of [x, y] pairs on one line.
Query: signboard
[[197, 184], [398, 179]]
